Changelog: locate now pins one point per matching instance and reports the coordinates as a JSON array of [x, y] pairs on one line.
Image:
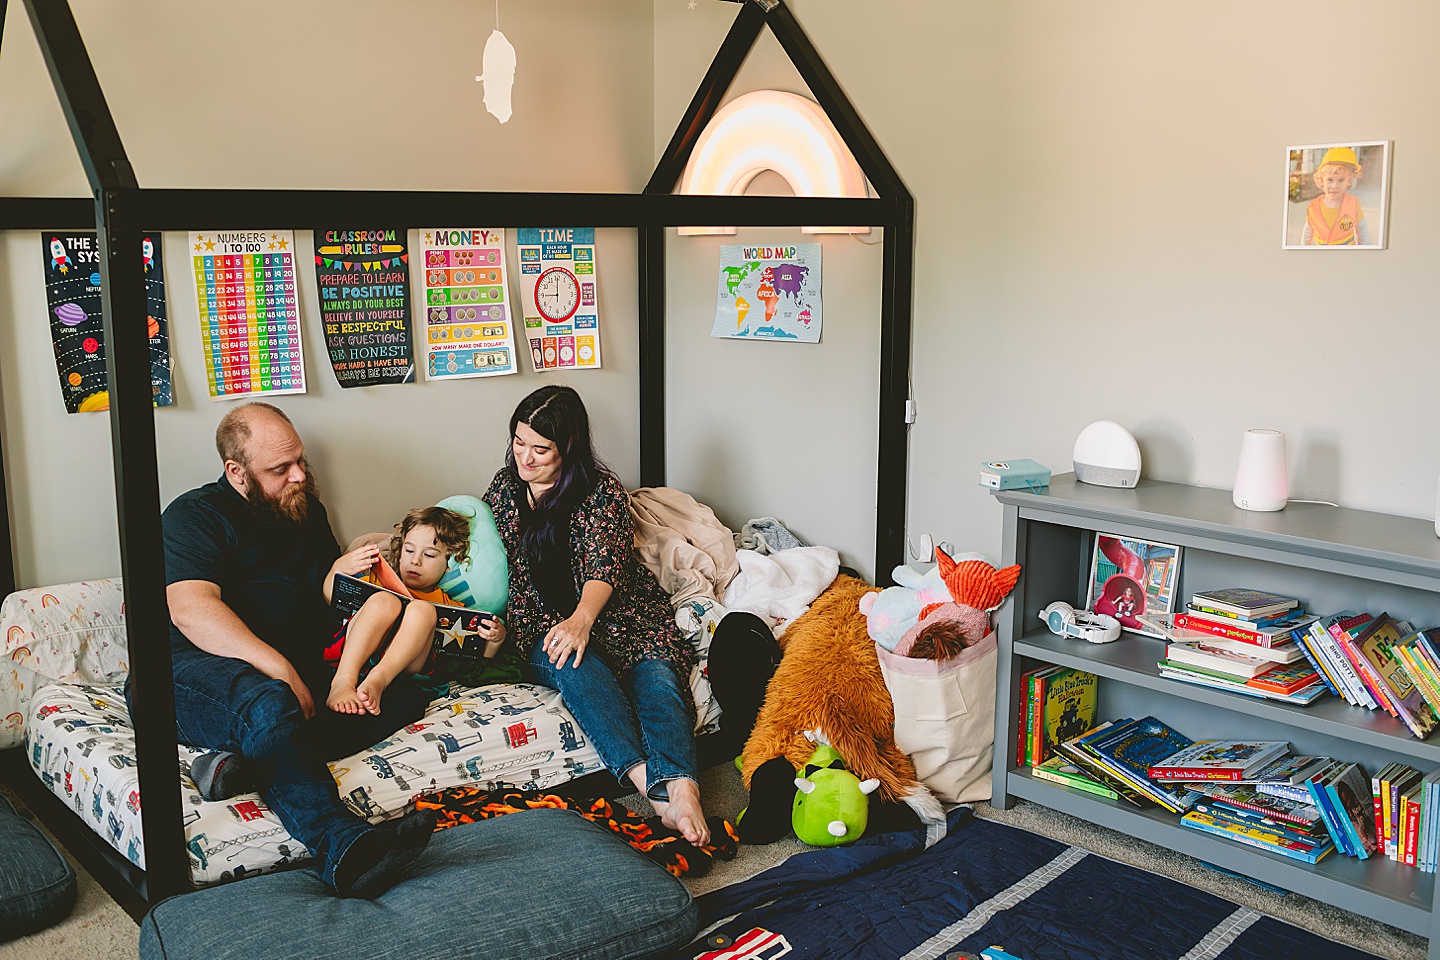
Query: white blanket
[[779, 587]]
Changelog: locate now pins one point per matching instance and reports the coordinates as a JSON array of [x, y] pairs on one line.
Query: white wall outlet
[[927, 548]]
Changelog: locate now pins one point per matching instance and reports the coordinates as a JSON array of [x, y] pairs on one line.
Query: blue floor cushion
[[37, 884], [528, 886]]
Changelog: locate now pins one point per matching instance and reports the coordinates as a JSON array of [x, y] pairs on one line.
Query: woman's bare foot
[[683, 812], [368, 694], [344, 697]]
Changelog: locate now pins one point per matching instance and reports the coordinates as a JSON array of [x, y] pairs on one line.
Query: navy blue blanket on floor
[[987, 884]]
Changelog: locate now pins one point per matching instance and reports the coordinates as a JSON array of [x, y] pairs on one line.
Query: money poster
[[249, 312], [558, 291], [468, 325]]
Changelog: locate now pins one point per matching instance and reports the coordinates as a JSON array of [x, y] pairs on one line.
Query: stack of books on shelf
[[1118, 753], [1406, 807], [1059, 704], [1362, 657], [1241, 640], [1234, 778]]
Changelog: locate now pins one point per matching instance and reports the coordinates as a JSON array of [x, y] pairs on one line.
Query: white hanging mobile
[[498, 71]]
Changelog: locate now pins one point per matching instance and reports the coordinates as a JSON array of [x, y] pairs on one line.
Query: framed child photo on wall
[[1337, 196], [1130, 578]]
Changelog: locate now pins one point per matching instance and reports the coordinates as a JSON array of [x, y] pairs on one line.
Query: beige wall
[[1098, 212], [388, 100], [1098, 193]]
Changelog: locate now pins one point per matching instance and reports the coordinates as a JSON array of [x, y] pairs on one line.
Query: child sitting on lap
[[426, 540]]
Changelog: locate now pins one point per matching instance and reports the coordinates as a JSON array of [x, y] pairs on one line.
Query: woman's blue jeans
[[642, 718]]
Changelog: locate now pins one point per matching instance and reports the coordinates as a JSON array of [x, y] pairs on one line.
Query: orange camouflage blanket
[[666, 847]]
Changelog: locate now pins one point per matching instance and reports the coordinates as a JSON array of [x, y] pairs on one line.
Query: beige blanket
[[688, 549]]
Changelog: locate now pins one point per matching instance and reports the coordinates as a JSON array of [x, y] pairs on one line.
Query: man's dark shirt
[[269, 571]]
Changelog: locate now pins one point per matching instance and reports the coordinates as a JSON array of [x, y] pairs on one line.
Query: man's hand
[[297, 686], [358, 561]]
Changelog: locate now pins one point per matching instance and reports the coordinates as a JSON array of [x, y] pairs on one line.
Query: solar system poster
[[364, 280], [558, 287], [72, 292], [468, 316]]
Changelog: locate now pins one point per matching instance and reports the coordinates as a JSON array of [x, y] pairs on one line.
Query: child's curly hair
[[452, 531]]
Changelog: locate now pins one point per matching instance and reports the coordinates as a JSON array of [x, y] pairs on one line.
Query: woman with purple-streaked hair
[[589, 618]]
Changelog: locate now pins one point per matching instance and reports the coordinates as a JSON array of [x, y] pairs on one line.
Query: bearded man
[[244, 560]]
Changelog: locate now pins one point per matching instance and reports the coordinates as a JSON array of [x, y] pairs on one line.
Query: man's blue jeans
[[644, 718], [226, 704]]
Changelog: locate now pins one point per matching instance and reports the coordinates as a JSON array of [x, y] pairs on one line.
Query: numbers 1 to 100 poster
[[559, 290], [468, 330], [249, 312]]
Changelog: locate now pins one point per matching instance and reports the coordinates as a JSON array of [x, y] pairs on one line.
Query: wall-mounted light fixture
[[772, 130]]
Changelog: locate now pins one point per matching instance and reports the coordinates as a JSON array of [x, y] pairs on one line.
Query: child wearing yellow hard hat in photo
[[1334, 218]]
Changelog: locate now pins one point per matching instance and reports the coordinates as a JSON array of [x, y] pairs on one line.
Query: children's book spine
[[1297, 820], [1321, 800], [1080, 782], [1412, 829], [1214, 627], [1255, 838], [1408, 651], [1352, 829], [1345, 634], [1248, 818], [1355, 690], [1377, 805], [1405, 653], [1037, 731], [1385, 834], [1027, 727], [1301, 640], [1249, 623]]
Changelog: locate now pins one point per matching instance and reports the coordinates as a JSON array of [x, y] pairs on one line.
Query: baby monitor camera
[[1064, 621]]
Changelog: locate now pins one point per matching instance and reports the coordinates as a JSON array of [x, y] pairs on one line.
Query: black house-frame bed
[[121, 209]]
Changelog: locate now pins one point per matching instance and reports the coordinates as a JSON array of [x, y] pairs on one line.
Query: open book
[[456, 628]]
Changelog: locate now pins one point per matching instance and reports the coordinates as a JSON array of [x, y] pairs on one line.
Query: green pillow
[[483, 581]]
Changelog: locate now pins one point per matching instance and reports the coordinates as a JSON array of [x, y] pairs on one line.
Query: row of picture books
[[1267, 645], [1251, 792]]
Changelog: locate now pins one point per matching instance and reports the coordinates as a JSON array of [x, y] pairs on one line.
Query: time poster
[[364, 280], [468, 324], [72, 293], [558, 292]]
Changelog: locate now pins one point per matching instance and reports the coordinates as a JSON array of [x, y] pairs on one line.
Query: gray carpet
[[98, 929]]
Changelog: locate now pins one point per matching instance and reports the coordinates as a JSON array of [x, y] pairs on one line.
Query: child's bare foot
[[683, 812], [368, 694], [343, 698]]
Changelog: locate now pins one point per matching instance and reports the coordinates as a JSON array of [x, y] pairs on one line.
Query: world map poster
[[72, 293], [769, 293]]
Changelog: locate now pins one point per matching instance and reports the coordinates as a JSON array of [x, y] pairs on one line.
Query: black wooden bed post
[[897, 266], [667, 172], [132, 438]]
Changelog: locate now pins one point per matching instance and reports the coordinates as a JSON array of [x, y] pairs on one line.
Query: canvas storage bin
[[945, 718]]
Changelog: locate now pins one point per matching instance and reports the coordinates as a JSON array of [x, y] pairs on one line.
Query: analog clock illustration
[[557, 294]]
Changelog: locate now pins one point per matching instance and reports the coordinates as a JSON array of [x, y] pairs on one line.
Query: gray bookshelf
[[1331, 558]]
